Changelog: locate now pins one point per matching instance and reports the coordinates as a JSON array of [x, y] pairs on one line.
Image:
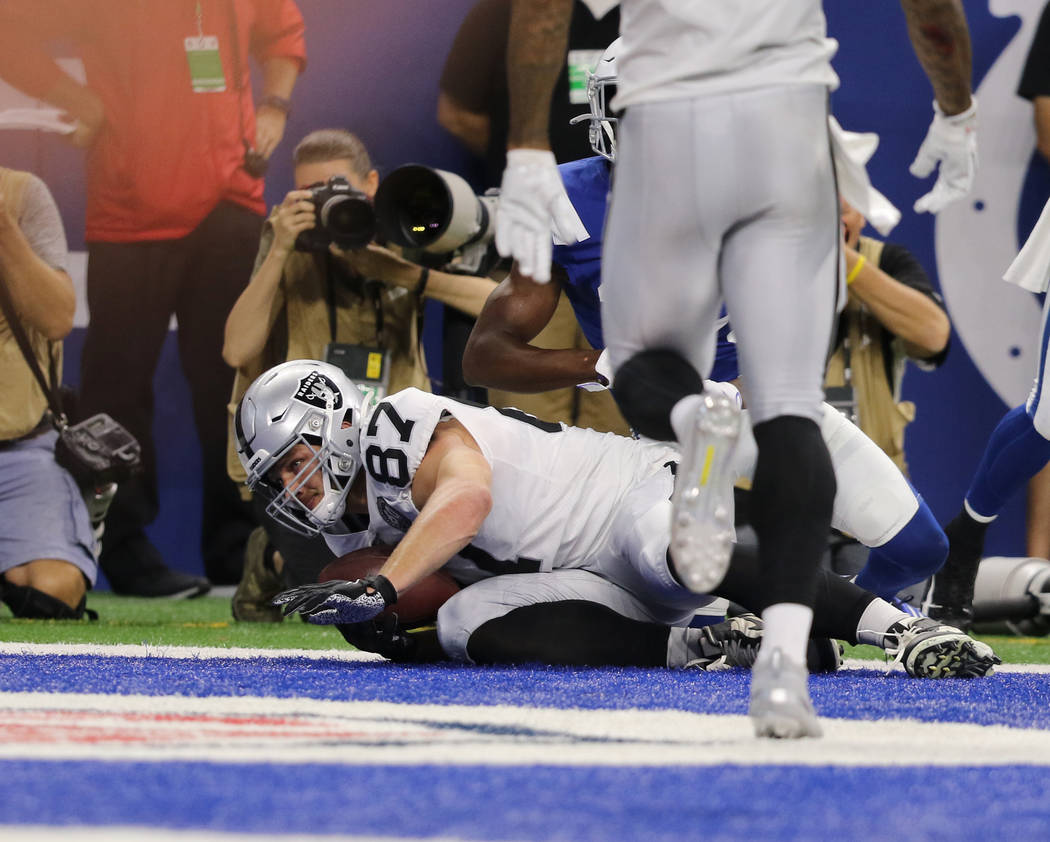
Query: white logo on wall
[[976, 238]]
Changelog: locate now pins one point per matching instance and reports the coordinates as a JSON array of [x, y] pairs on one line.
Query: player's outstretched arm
[[941, 39], [498, 354]]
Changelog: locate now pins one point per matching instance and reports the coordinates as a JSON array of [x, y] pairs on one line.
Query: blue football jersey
[[587, 184]]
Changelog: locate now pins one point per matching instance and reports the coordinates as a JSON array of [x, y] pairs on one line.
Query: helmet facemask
[[601, 87]]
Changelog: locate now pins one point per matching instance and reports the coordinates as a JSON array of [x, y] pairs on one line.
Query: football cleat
[[780, 703], [731, 643], [927, 648], [702, 503]]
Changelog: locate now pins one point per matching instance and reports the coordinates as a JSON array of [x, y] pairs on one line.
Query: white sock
[[682, 414], [876, 621], [785, 626]]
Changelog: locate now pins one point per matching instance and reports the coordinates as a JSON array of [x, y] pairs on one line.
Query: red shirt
[[166, 156]]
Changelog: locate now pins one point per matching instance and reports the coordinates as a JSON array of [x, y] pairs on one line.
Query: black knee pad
[[31, 604], [649, 384]]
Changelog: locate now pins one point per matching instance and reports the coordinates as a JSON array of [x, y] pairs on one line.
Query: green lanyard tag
[[206, 73]]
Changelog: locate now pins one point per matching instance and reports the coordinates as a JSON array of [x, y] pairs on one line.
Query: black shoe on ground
[[950, 596], [135, 568]]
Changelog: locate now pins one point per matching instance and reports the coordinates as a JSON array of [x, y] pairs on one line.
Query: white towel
[[1031, 268], [852, 151]]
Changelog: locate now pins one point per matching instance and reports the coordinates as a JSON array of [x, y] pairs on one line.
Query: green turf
[[207, 621]]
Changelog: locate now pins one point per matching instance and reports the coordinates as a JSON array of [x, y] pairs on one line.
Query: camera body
[[344, 217]]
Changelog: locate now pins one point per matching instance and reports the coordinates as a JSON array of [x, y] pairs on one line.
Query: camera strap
[[18, 331]]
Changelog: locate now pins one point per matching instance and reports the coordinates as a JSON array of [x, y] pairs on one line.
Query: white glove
[[952, 142], [532, 205], [603, 368]]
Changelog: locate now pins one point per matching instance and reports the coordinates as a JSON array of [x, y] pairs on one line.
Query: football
[[418, 606]]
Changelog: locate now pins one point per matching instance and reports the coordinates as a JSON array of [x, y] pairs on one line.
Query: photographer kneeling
[[322, 290], [47, 560]]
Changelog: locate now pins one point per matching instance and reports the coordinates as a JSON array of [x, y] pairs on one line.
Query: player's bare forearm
[[499, 354], [452, 489], [536, 46], [941, 39], [498, 360]]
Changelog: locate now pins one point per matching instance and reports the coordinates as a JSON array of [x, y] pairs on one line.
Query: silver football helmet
[[302, 402], [601, 86]]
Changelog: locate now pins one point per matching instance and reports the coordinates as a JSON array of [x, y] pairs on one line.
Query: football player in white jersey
[[559, 533], [724, 177]]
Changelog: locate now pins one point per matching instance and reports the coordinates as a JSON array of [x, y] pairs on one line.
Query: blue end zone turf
[[1016, 699], [730, 803], [534, 802]]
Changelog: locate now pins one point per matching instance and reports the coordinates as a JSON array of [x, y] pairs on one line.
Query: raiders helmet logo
[[318, 391]]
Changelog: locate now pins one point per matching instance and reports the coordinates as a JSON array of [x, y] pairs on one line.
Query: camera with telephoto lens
[[344, 217], [433, 210]]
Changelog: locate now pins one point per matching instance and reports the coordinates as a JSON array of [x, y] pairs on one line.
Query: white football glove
[[951, 142], [603, 368], [533, 205]]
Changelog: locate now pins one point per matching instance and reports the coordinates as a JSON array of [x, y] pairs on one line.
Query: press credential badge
[[206, 74], [202, 53]]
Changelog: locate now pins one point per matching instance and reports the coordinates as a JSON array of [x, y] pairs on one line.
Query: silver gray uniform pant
[[730, 195], [629, 574]]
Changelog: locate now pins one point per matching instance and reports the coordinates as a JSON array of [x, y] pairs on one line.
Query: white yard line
[[254, 729]]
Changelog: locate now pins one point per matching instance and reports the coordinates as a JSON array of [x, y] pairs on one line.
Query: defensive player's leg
[[876, 505], [873, 502], [660, 298], [1017, 450]]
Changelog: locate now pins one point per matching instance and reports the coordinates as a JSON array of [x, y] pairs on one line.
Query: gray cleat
[[702, 502], [780, 704], [930, 649]]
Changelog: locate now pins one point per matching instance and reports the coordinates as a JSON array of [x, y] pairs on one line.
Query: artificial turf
[[207, 621]]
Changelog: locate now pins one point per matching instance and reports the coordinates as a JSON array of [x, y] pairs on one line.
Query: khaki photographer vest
[[301, 330], [23, 403], [879, 414]]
